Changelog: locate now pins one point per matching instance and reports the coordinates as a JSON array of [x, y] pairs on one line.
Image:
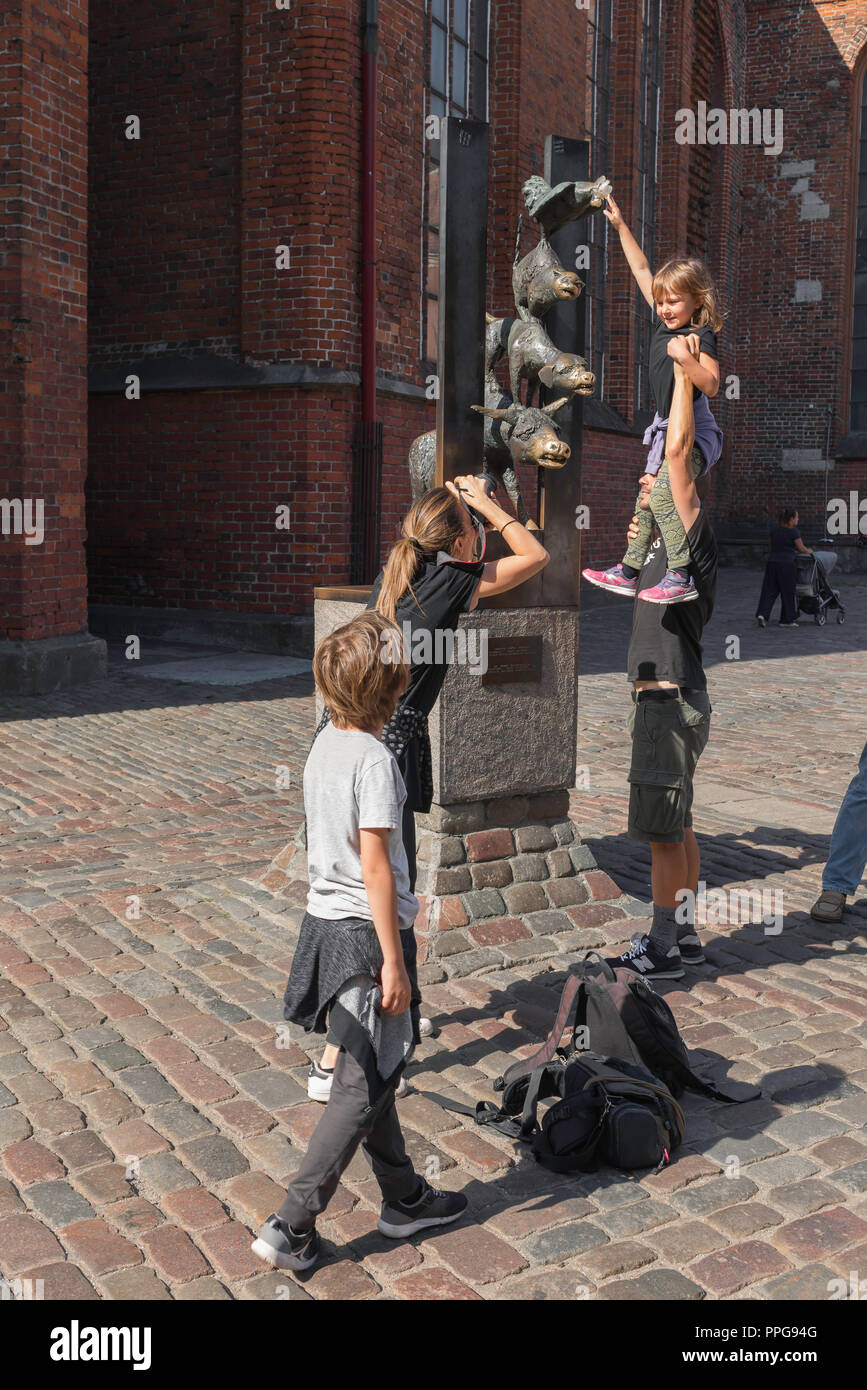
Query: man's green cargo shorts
[[668, 738]]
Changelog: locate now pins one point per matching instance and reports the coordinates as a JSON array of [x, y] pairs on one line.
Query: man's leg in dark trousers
[[349, 1120]]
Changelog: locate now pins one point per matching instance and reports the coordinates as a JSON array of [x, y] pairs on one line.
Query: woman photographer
[[434, 573]]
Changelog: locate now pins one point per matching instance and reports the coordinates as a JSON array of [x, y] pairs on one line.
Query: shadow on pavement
[[732, 1136], [124, 689]]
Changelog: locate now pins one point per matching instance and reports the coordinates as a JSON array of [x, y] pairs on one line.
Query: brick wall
[[790, 354], [43, 305], [251, 138]]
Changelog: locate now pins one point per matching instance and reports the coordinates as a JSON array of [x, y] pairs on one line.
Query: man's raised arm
[[679, 441]]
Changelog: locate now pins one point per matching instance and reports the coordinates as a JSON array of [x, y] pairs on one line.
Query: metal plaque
[[513, 661]]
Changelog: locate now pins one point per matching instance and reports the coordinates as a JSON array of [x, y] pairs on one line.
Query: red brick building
[[215, 265]]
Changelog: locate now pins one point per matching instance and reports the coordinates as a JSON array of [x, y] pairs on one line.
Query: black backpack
[[609, 1111], [617, 1102], [625, 1018]]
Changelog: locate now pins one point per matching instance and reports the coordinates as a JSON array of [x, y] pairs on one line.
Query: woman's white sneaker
[[319, 1084]]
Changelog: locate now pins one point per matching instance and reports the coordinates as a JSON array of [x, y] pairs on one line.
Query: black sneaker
[[279, 1246], [431, 1208], [690, 949], [650, 961]]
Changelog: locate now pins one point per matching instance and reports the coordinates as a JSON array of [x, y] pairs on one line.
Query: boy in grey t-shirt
[[342, 758], [349, 964]]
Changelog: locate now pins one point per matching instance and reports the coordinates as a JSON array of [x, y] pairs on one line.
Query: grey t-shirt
[[351, 783]]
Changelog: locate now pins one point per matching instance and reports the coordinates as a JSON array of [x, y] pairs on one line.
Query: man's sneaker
[[649, 960], [794, 624], [690, 949], [762, 622], [281, 1248], [425, 1028], [319, 1084], [829, 906], [672, 588], [431, 1208], [612, 579]]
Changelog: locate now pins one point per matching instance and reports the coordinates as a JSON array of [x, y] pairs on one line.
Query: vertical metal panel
[[565, 160], [463, 277]]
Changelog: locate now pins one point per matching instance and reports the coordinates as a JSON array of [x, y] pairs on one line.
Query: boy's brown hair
[[689, 275], [359, 671]]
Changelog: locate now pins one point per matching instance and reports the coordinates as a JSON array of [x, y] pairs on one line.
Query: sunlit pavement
[[151, 1110]]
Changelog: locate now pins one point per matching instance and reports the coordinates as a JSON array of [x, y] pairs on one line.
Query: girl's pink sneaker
[[613, 579], [671, 589]]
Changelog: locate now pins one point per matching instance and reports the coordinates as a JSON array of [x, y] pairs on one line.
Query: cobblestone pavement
[[150, 1113]]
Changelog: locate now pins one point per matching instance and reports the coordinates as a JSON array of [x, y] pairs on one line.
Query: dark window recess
[[647, 168], [457, 85], [859, 387], [598, 97]]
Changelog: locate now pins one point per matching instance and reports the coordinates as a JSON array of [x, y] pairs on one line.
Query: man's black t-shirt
[[661, 366], [666, 638], [444, 591]]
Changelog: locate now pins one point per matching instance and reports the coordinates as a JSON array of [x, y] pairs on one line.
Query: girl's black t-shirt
[[442, 592], [783, 542], [661, 366]]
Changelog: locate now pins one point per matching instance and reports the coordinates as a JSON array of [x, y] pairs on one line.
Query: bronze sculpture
[[516, 431]]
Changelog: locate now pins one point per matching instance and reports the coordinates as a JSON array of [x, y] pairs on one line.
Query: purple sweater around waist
[[708, 436]]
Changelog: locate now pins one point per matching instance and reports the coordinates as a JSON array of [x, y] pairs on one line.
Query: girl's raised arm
[[631, 250]]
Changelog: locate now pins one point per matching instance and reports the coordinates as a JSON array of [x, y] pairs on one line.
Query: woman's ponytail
[[434, 523], [400, 568]]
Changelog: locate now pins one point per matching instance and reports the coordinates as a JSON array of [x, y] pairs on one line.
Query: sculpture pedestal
[[497, 878]]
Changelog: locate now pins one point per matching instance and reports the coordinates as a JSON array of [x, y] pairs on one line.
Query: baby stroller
[[812, 590]]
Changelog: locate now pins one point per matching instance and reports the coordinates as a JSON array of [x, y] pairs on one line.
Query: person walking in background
[[847, 855], [780, 571]]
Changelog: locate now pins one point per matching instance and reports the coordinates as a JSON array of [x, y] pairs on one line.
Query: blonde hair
[[359, 671], [690, 275], [434, 523]]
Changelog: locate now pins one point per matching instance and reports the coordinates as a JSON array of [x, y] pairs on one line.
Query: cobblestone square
[[150, 1112]]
